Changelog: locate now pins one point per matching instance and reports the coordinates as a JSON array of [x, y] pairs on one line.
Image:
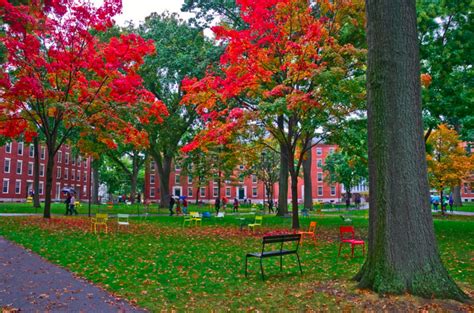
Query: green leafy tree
[[182, 51]]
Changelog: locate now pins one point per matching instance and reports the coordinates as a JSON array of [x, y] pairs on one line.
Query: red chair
[[351, 240]]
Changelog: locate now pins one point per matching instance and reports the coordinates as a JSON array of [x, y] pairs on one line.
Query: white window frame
[[331, 150], [20, 148], [73, 160], [180, 191], [190, 191], [66, 158], [42, 152], [19, 166], [254, 192], [202, 191], [320, 177], [177, 167], [41, 188], [73, 174], [31, 151], [333, 190], [8, 147], [66, 173], [152, 192], [6, 180], [58, 190], [84, 178], [17, 187], [228, 191], [152, 179], [320, 191], [41, 169], [177, 179], [60, 157], [319, 151], [215, 191], [254, 179], [319, 163], [78, 175], [30, 168], [9, 162], [190, 179], [79, 160]]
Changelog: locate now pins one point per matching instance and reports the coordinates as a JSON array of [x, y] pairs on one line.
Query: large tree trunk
[[95, 184], [456, 190], [134, 177], [50, 146], [36, 177], [402, 255], [294, 200], [282, 209], [164, 170], [308, 186]]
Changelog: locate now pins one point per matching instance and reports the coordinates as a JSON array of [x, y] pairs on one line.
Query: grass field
[[157, 264]]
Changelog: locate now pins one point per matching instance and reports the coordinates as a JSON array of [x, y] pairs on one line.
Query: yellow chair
[[77, 205], [187, 219], [196, 218], [311, 232], [257, 223], [29, 199], [99, 219]]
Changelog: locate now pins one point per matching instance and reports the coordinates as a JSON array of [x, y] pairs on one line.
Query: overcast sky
[[137, 10]]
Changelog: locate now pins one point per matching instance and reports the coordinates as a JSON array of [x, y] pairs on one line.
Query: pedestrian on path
[[72, 205], [67, 202], [171, 205], [236, 205], [217, 205], [451, 202]]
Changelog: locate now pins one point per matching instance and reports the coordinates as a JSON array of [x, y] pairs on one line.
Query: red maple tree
[[59, 79], [293, 69]]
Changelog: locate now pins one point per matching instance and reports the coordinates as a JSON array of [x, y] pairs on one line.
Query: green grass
[[159, 265]]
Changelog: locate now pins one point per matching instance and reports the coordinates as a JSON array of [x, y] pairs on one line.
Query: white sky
[[137, 10]]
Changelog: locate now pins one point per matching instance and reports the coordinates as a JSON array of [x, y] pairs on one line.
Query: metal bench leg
[[299, 263], [246, 259], [261, 269], [281, 263]]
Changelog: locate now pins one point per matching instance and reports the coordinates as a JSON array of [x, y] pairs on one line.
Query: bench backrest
[[281, 239]]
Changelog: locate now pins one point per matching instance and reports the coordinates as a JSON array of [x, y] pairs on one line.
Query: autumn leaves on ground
[[157, 264]]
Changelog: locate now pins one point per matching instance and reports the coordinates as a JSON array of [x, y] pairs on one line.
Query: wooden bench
[[275, 239]]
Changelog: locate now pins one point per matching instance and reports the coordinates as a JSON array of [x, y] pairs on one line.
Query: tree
[[402, 255], [291, 70], [207, 11], [448, 163], [59, 79], [182, 50]]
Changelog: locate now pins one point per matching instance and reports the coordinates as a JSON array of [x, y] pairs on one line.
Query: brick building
[[247, 188], [17, 166]]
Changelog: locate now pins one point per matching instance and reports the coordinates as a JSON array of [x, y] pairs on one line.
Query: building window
[[41, 187], [254, 179], [30, 168], [6, 183], [6, 166], [66, 158], [85, 175], [60, 156], [73, 174], [73, 160], [19, 167], [254, 192], [8, 147], [58, 190], [42, 153], [227, 192], [202, 191], [66, 173], [176, 179], [20, 148], [17, 187], [85, 163], [241, 166], [41, 170], [32, 151], [79, 160], [319, 151], [331, 150], [320, 191], [78, 175], [215, 190], [58, 173], [177, 167], [333, 190], [241, 179], [84, 189], [152, 179], [320, 177], [152, 192], [190, 179], [190, 191], [320, 163]]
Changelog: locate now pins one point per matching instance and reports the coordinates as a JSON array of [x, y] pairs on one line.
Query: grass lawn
[[156, 264]]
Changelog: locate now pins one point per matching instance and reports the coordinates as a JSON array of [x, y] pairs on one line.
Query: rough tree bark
[[50, 147], [308, 186], [95, 183], [163, 165], [36, 177], [282, 209], [403, 254]]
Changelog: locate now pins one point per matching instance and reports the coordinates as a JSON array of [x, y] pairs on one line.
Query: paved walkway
[[31, 284]]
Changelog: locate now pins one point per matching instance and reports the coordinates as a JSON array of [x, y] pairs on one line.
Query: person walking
[[217, 205], [451, 202], [72, 205], [67, 202], [236, 205], [178, 207], [270, 206], [172, 202], [185, 206]]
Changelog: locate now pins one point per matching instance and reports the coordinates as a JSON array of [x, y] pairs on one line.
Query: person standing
[[270, 206], [236, 205], [72, 205], [185, 206], [178, 207], [451, 202], [217, 205], [171, 205], [67, 202]]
